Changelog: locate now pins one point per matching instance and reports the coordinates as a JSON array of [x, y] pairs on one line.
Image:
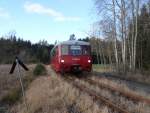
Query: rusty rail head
[[103, 99], [96, 96]]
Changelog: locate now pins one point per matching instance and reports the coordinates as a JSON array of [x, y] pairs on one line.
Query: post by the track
[[17, 63]]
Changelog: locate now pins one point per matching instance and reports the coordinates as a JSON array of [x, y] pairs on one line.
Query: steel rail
[[129, 95], [96, 96]]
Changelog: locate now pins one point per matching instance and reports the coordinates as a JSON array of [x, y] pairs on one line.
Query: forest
[[122, 35], [30, 53], [121, 38]]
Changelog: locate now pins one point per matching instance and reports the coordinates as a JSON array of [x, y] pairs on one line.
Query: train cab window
[[64, 50], [86, 50], [54, 52], [75, 50]]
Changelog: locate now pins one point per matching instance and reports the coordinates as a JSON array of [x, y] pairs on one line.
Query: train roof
[[71, 42], [74, 42]]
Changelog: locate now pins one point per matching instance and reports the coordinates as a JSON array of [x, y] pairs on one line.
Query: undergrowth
[[39, 70], [15, 94]]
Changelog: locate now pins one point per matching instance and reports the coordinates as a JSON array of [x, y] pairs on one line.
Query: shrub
[[39, 70]]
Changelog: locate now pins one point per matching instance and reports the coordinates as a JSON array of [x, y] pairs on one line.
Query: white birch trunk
[[114, 34], [135, 38]]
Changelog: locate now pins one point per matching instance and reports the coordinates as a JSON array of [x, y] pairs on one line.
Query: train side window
[[64, 49], [54, 52]]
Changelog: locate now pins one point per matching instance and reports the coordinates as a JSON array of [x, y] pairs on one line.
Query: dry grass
[[10, 89], [102, 68], [9, 82], [51, 94], [144, 78], [118, 99], [119, 85], [138, 76]]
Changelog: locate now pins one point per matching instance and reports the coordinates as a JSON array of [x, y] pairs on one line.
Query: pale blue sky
[[47, 19]]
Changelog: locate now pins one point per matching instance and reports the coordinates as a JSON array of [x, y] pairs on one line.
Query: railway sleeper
[[128, 95], [95, 96]]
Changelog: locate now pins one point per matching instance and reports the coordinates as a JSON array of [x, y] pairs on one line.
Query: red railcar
[[71, 56]]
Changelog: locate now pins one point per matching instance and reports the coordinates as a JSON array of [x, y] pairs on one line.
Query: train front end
[[75, 56]]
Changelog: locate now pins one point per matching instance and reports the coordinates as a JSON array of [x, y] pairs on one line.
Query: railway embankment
[[90, 94], [134, 84]]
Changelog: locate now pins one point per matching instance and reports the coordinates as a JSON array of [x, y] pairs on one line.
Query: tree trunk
[[132, 36], [97, 51], [135, 38], [114, 34]]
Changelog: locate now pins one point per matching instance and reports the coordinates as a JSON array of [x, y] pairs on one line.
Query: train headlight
[[62, 61], [89, 61]]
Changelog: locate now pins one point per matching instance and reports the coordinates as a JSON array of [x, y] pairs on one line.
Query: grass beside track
[[51, 94], [131, 95], [101, 68], [139, 77], [11, 88], [119, 99], [96, 96]]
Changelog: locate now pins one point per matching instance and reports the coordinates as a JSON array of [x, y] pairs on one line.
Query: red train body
[[71, 56]]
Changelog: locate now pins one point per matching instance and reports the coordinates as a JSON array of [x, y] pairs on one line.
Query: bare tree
[[135, 38], [122, 17]]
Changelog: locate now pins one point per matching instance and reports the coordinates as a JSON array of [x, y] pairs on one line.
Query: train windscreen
[[64, 50], [75, 50]]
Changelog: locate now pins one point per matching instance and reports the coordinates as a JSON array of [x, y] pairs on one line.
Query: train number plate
[[75, 59]]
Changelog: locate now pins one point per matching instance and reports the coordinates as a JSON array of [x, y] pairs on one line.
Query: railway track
[[111, 76], [95, 95], [131, 83], [128, 95]]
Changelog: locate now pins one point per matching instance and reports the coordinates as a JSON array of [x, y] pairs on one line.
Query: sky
[[49, 20]]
